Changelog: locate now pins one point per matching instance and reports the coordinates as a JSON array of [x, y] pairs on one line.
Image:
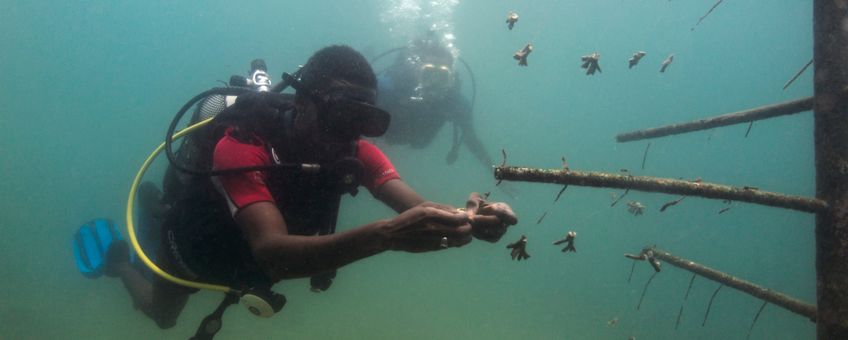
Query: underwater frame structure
[[830, 110]]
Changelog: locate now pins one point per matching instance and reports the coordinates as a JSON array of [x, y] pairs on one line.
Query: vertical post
[[830, 50]]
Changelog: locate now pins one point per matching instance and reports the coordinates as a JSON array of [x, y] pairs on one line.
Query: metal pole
[[750, 115], [774, 297], [655, 184], [830, 55]]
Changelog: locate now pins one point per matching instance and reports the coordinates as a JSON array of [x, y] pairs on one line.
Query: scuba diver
[[252, 198], [421, 90]]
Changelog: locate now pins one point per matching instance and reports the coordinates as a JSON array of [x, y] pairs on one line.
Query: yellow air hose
[[131, 226]]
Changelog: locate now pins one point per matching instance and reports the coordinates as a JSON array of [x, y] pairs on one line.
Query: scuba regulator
[[258, 79]]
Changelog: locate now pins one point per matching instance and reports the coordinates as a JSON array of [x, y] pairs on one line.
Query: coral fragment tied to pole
[[519, 249]]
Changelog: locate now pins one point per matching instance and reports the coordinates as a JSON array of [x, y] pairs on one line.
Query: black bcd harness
[[313, 210]]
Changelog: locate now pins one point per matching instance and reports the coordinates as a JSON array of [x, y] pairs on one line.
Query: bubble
[[410, 19]]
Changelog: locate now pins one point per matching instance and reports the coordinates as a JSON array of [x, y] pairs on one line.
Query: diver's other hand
[[489, 221], [427, 227]]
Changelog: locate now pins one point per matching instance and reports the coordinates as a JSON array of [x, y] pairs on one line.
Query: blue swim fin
[[90, 244]]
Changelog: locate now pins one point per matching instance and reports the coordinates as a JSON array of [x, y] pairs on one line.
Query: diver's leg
[[167, 298], [162, 301], [168, 302], [118, 265]]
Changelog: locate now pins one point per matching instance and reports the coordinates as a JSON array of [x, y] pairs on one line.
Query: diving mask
[[433, 76], [347, 110], [350, 111]]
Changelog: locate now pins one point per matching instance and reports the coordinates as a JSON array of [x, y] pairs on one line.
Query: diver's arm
[[284, 256], [398, 195], [292, 256]]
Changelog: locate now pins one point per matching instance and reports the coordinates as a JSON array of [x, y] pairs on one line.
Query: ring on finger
[[444, 242]]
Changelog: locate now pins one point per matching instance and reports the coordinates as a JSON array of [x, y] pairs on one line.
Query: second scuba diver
[[422, 92]]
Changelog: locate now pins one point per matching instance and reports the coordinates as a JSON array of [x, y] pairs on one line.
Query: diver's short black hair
[[339, 62]]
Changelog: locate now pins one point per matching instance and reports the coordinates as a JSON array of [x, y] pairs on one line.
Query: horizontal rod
[[759, 113], [779, 299], [656, 184]]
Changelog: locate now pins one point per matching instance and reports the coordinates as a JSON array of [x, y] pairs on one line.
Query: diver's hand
[[489, 221], [423, 227]]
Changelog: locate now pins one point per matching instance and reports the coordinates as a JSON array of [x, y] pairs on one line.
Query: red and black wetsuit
[[245, 188], [203, 241]]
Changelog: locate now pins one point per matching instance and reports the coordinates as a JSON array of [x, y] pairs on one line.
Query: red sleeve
[[378, 168], [241, 189]]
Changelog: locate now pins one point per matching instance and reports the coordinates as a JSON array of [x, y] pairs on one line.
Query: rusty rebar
[[707, 14], [645, 155], [800, 72], [560, 193], [756, 317], [663, 185], [680, 312], [671, 203], [759, 113], [542, 218], [645, 289], [618, 199], [710, 305], [776, 298], [632, 268]]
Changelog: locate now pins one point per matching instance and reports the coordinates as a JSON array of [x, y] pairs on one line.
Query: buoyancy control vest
[[203, 239]]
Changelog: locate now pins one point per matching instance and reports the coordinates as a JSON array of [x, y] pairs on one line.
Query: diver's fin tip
[[90, 244]]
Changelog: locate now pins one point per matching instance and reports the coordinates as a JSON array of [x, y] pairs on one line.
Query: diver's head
[[432, 65], [336, 96]]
